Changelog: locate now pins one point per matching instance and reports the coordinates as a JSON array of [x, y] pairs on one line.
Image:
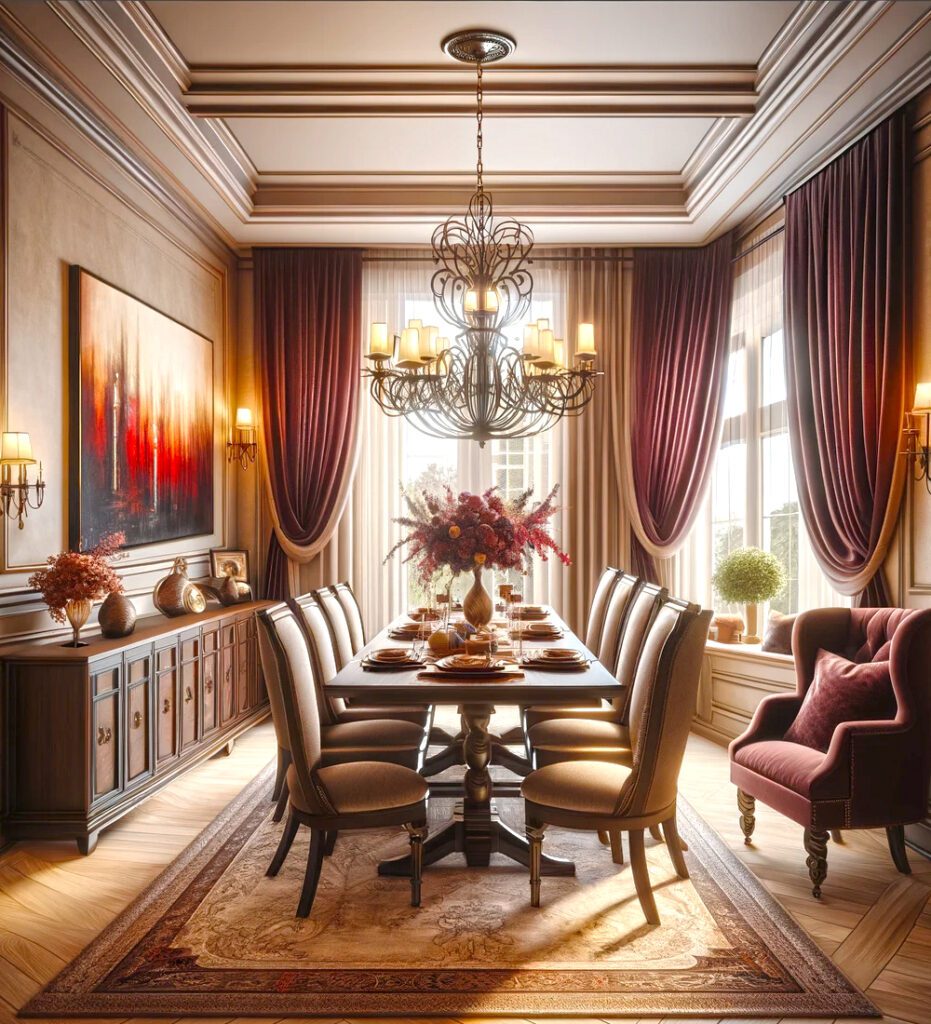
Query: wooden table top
[[537, 686]]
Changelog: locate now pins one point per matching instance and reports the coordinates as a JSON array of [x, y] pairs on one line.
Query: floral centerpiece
[[73, 580], [469, 532]]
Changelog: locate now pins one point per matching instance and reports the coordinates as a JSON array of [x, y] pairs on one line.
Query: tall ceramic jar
[[477, 606]]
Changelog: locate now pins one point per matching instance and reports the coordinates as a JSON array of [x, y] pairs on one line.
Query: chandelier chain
[[478, 119]]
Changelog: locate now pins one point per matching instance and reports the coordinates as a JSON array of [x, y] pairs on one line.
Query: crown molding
[[159, 40], [796, 63], [38, 80], [92, 23]]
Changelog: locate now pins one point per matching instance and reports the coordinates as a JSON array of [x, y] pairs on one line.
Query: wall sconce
[[15, 499], [245, 449], [918, 438]]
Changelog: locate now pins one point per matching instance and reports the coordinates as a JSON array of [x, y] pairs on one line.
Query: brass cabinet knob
[[208, 685], [104, 735], [166, 706], [137, 719], [188, 696]]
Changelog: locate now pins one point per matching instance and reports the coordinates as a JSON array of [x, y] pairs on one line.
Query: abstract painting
[[141, 419]]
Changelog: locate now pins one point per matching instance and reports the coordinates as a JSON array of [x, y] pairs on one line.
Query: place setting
[[484, 667], [392, 659], [556, 659]]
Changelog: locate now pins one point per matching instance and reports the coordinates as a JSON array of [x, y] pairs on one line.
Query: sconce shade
[[16, 449], [922, 398], [244, 419]]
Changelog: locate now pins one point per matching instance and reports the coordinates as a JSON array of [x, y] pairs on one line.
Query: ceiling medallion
[[477, 384]]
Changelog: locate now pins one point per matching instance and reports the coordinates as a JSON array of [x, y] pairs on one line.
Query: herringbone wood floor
[[874, 922]]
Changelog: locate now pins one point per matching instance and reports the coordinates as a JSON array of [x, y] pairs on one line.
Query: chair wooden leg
[[896, 838], [674, 845], [282, 804], [747, 805], [617, 850], [604, 838], [638, 865], [656, 834], [330, 843], [281, 772], [417, 833], [816, 846], [312, 874], [535, 838], [837, 836], [284, 845]]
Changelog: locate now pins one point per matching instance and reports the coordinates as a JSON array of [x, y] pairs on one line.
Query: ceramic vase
[[751, 636], [77, 612], [117, 615], [477, 606]]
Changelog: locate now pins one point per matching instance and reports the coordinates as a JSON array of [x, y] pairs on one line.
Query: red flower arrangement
[[78, 576], [470, 530]]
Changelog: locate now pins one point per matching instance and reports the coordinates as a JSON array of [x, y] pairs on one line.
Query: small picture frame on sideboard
[[230, 562]]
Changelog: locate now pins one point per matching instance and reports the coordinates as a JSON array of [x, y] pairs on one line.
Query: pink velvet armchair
[[873, 773]]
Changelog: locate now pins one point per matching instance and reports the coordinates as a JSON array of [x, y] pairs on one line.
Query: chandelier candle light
[[477, 386], [15, 499]]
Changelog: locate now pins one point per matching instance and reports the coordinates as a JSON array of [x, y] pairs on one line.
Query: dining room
[[472, 544]]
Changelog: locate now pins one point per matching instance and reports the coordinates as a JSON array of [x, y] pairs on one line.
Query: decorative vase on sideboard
[[477, 607], [78, 613], [117, 615]]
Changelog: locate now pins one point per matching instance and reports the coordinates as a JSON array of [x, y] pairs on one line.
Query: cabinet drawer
[[211, 640], [166, 717], [190, 649], [138, 731], [106, 744], [138, 667], [166, 658], [107, 679]]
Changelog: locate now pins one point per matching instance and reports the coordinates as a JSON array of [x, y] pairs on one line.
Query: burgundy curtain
[[308, 337], [846, 288], [680, 321]]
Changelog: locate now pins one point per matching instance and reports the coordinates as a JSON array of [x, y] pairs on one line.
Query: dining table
[[475, 830]]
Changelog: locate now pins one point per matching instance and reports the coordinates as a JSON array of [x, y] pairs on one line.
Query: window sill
[[753, 652]]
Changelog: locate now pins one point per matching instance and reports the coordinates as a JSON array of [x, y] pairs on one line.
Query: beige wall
[[67, 202], [909, 564]]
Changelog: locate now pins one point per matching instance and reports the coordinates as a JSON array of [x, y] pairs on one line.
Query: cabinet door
[[166, 710], [227, 672], [244, 696], [190, 689], [138, 725], [106, 680], [210, 674]]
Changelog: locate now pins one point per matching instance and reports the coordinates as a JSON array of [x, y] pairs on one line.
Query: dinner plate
[[391, 666], [469, 664]]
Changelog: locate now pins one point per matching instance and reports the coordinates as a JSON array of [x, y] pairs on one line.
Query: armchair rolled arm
[[773, 716]]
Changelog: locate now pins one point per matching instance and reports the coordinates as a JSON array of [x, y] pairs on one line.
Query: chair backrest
[[273, 685], [353, 614], [643, 608], [320, 640], [662, 706], [625, 588], [339, 625], [599, 608], [288, 645]]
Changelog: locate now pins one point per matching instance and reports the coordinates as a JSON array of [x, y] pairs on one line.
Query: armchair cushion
[[841, 691], [778, 636], [789, 764]]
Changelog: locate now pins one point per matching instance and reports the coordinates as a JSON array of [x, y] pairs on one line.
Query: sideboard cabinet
[[92, 731]]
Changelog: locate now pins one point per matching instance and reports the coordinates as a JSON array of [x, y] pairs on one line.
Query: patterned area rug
[[213, 935]]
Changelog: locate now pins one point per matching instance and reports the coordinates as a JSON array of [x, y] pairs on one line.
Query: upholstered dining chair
[[353, 613], [603, 796], [334, 709], [643, 602], [599, 607], [369, 739], [337, 797], [868, 773], [338, 623]]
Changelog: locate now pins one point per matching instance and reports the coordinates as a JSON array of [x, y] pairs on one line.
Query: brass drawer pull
[[166, 706], [104, 735], [208, 686], [137, 719], [188, 696]]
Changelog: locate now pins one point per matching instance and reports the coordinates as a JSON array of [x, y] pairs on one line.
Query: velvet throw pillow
[[778, 638], [842, 691]]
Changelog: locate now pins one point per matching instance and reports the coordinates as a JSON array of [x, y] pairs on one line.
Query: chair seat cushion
[[579, 734], [791, 765], [841, 691], [419, 714], [364, 786], [542, 713], [588, 787], [380, 733]]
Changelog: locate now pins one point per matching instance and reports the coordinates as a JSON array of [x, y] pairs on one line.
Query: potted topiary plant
[[748, 576]]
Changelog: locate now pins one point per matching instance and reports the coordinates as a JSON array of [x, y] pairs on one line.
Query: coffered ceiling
[[613, 123]]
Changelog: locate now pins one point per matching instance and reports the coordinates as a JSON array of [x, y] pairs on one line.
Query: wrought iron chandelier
[[477, 386]]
